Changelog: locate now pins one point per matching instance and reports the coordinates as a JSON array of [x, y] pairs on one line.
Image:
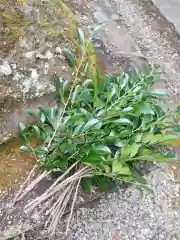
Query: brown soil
[[14, 166]]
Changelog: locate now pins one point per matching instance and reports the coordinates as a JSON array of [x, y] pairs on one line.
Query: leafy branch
[[100, 130]]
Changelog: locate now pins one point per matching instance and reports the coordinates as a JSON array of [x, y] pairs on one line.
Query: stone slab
[[116, 38], [170, 10]]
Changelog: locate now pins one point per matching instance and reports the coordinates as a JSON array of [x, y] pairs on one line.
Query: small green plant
[[101, 128]]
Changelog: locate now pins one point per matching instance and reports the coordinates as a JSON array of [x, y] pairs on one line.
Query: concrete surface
[[170, 10], [133, 31]]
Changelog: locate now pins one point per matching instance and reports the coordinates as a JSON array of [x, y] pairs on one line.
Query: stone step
[[10, 120], [170, 10]]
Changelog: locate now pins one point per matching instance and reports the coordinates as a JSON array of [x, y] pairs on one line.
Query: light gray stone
[[30, 54], [49, 55], [170, 10], [40, 56], [5, 69], [58, 50]]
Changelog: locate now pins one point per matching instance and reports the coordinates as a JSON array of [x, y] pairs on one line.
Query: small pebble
[[58, 50], [49, 55]]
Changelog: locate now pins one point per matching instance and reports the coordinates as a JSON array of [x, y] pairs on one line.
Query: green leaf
[[107, 168], [112, 93], [158, 93], [146, 69], [138, 137], [176, 129], [91, 123], [86, 68], [80, 35], [117, 154], [36, 130], [143, 108], [65, 87], [119, 143], [125, 152], [170, 155], [42, 117], [124, 81], [87, 82], [157, 158], [78, 129], [147, 137], [127, 109], [86, 96], [21, 127], [136, 89], [101, 112], [169, 137], [98, 51], [70, 57], [74, 94], [52, 164], [25, 149], [101, 182], [41, 150], [112, 134], [123, 121], [145, 151], [134, 149], [98, 103], [85, 113], [118, 168], [157, 138], [101, 148], [76, 118], [178, 109], [67, 147], [92, 158], [87, 185]]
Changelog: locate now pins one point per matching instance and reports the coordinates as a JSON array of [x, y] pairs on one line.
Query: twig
[[25, 182], [60, 199], [54, 184], [62, 176], [30, 206], [60, 212], [58, 204], [69, 97], [72, 206], [33, 184]]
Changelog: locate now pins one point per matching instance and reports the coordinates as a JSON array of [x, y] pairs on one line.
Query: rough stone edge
[[163, 15]]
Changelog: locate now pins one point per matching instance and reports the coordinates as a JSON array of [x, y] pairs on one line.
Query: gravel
[[125, 215]]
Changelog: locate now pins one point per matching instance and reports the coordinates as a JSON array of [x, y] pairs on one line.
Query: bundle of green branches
[[100, 129]]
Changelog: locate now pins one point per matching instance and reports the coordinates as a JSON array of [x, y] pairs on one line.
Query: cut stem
[[72, 206]]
